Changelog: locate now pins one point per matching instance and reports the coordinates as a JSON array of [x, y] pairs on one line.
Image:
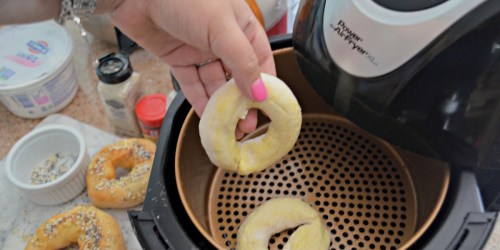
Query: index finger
[[243, 50]]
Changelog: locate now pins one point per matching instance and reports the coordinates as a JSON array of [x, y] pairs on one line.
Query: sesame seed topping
[[53, 167]]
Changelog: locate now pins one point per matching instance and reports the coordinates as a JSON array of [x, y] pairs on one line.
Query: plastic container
[[272, 14], [36, 72], [37, 146], [119, 88], [150, 111]]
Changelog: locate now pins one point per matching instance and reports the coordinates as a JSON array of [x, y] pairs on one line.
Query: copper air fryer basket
[[370, 194]]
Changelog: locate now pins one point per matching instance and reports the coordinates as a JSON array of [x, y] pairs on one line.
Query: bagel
[[280, 214], [104, 190], [86, 226], [228, 105]]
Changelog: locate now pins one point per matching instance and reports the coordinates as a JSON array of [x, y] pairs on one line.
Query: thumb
[[233, 47]]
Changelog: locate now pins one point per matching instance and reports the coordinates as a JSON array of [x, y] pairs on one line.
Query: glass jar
[[119, 88]]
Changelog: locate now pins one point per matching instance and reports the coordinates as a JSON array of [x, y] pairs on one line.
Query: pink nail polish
[[259, 91]]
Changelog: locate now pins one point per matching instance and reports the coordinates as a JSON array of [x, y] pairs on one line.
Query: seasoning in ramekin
[[54, 167]]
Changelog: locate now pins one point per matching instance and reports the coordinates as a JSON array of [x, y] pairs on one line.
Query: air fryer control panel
[[398, 5], [367, 39]]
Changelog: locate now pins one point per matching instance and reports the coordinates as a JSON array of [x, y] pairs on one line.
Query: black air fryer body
[[439, 100], [442, 102]]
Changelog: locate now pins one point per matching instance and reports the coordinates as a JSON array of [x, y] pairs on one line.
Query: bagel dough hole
[[72, 246], [262, 120], [121, 172]]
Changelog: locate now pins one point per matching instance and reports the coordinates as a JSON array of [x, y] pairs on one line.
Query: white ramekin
[[33, 149]]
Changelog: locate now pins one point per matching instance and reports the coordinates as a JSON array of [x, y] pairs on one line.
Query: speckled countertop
[[86, 106]]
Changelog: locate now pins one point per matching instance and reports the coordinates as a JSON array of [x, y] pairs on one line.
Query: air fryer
[[398, 157]]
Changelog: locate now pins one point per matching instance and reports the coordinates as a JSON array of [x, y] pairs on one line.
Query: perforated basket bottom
[[356, 182]]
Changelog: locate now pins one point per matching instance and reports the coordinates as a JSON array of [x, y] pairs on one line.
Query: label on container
[[40, 100], [119, 101], [150, 133], [32, 52], [122, 119]]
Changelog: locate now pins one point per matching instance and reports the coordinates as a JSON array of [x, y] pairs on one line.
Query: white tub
[[36, 72]]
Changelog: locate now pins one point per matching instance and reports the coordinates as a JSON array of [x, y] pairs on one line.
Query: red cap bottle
[[150, 111]]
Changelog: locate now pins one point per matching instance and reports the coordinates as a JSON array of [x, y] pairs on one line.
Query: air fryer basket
[[370, 194]]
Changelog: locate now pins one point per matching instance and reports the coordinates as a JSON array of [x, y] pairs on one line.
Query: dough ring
[[104, 189], [277, 215], [87, 226], [228, 105]]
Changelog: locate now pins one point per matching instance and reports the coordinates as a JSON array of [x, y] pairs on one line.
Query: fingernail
[[259, 91], [239, 134]]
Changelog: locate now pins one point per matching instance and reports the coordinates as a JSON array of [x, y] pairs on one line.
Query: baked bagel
[[86, 226], [104, 189], [280, 214], [228, 105]]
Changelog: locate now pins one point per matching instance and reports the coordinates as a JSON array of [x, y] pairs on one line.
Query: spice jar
[[119, 88], [150, 111]]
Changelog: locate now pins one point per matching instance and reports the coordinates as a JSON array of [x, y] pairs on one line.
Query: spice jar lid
[[114, 68], [151, 109]]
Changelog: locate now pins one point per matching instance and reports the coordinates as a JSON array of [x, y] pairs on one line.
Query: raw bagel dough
[[280, 214], [104, 189], [87, 226], [228, 105]]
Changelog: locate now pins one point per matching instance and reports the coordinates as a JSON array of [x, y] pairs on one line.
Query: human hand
[[188, 32]]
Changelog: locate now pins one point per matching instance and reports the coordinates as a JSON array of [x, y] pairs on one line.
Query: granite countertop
[[86, 106], [20, 217]]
